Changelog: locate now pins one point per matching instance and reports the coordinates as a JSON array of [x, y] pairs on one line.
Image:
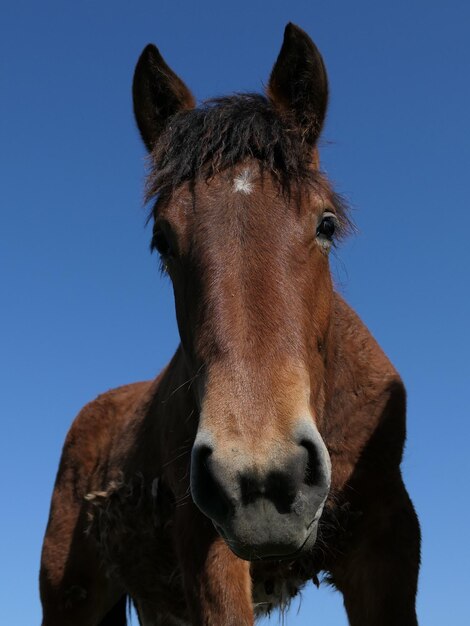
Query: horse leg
[[217, 583], [75, 589], [117, 616], [150, 614], [378, 571]]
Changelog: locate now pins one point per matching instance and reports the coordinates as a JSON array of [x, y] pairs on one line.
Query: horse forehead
[[241, 195], [243, 182]]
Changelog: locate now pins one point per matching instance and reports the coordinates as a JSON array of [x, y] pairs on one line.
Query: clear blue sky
[[84, 308]]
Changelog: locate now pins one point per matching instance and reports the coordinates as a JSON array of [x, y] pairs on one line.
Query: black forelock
[[224, 132]]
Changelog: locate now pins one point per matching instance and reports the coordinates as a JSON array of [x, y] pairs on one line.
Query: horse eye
[[161, 244], [327, 226]]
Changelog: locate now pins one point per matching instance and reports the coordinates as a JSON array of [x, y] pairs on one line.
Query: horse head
[[244, 222]]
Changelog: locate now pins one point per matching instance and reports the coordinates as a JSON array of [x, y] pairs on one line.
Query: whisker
[[188, 382]]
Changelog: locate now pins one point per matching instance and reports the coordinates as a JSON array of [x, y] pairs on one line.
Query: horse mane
[[223, 132]]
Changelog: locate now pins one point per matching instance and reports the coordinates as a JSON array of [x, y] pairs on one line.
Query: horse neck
[[362, 384], [172, 419]]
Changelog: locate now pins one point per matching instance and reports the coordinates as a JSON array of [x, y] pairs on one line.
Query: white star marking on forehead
[[242, 182]]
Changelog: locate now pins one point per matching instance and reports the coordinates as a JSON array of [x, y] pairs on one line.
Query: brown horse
[[269, 449]]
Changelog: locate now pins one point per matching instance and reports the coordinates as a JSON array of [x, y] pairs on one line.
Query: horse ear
[[298, 84], [158, 94]]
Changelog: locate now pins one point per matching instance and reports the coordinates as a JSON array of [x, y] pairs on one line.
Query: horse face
[[248, 259], [253, 298]]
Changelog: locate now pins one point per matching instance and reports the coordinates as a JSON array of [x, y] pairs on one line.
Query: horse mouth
[[270, 551]]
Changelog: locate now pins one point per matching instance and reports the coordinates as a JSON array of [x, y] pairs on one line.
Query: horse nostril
[[206, 489], [313, 468], [201, 452], [317, 472]]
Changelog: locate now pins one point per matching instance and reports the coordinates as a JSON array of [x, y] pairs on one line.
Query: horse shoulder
[[101, 424]]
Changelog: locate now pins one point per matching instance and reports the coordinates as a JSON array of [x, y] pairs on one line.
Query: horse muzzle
[[267, 510]]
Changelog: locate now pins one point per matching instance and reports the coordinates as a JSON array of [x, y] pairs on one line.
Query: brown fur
[[264, 339]]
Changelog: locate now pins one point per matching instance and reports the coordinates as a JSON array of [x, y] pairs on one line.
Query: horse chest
[[135, 540]]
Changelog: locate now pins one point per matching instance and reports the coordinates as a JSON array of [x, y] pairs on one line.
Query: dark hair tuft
[[223, 132]]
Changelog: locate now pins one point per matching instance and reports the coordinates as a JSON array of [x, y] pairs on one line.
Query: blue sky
[[85, 309]]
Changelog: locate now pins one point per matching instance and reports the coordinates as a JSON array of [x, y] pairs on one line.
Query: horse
[[267, 453]]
